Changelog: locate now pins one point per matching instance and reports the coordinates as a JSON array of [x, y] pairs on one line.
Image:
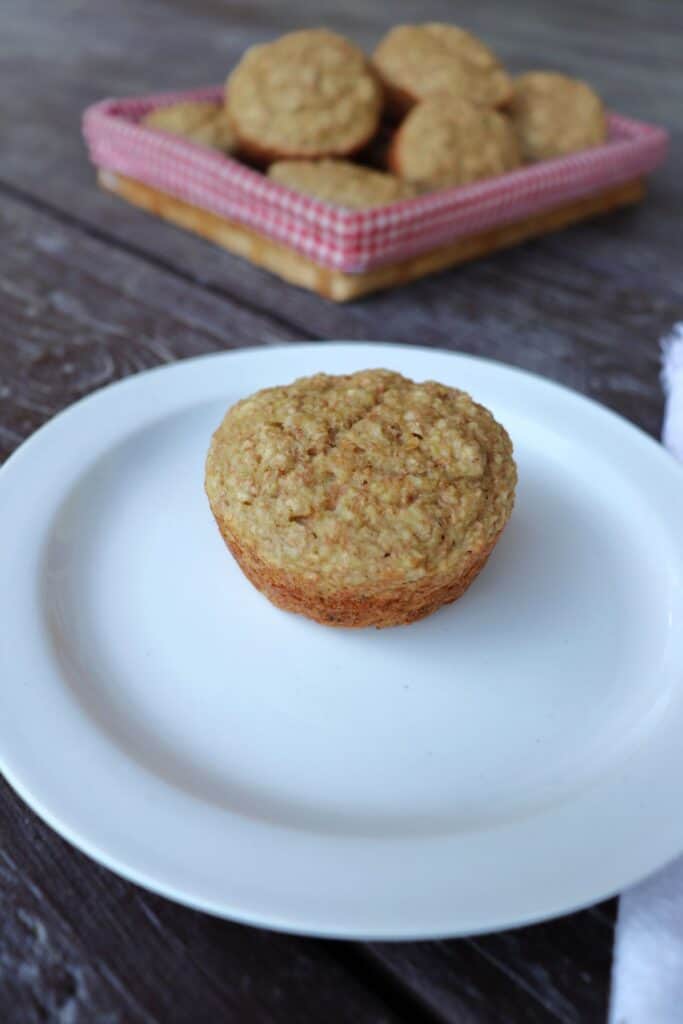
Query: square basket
[[342, 253]]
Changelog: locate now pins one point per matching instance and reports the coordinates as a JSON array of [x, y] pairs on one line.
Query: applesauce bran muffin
[[341, 182], [453, 143], [360, 500], [417, 61], [554, 115], [199, 121], [308, 94], [216, 133]]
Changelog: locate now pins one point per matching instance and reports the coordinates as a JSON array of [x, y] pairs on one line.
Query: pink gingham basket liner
[[354, 240]]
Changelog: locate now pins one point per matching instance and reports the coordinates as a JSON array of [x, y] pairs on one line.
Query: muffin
[[554, 115], [452, 142], [198, 121], [341, 182], [309, 94], [216, 133], [418, 61], [360, 500]]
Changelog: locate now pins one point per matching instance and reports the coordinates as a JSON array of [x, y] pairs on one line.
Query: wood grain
[[551, 971], [81, 946], [76, 314], [91, 290]]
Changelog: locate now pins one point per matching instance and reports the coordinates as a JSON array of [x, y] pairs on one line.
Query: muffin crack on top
[[334, 439], [360, 499]]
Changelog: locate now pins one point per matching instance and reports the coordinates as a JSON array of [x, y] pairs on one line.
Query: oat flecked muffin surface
[[360, 500], [554, 115], [199, 121], [308, 94], [417, 61], [452, 142], [341, 182]]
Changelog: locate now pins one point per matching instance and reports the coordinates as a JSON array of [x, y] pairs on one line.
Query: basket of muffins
[[345, 172]]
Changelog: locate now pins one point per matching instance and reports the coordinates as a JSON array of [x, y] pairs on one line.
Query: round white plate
[[515, 755]]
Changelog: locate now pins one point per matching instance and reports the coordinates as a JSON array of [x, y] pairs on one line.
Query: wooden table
[[92, 290]]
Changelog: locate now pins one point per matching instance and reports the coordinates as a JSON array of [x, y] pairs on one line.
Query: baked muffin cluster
[[434, 107]]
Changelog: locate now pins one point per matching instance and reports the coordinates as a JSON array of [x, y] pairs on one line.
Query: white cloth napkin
[[672, 378], [647, 969]]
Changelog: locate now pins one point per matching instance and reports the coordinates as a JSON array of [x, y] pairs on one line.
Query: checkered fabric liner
[[354, 240]]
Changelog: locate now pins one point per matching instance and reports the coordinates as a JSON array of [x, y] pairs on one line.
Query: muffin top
[[555, 115], [217, 133], [199, 121], [453, 143], [341, 182], [421, 60], [309, 93], [367, 479]]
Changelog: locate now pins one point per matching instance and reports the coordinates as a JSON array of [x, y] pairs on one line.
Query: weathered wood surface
[[80, 946], [77, 314], [92, 290]]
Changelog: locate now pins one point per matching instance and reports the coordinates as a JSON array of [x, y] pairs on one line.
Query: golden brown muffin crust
[[362, 497], [418, 61], [308, 94], [199, 120], [445, 142], [216, 133], [341, 182], [351, 607], [554, 115]]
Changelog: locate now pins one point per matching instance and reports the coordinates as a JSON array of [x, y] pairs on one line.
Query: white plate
[[513, 756]]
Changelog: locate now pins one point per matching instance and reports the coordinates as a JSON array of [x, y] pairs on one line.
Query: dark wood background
[[92, 290]]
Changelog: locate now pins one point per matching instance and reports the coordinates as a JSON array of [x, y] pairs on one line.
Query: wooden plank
[[554, 971], [75, 315], [79, 945], [457, 984], [298, 269]]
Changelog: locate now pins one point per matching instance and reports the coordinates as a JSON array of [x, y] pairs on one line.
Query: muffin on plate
[[360, 500], [341, 182], [307, 94], [445, 142], [417, 61], [199, 121], [554, 115]]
